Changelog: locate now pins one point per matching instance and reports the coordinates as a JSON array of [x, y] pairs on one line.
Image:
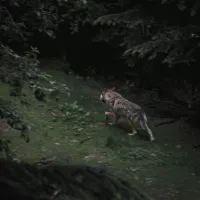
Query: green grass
[[161, 169]]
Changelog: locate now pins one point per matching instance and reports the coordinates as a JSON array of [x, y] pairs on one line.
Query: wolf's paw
[[109, 114], [152, 139], [133, 133]]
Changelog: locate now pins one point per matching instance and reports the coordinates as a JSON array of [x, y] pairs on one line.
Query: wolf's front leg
[[115, 121], [108, 114]]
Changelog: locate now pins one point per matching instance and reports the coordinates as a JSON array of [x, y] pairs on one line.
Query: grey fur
[[122, 107]]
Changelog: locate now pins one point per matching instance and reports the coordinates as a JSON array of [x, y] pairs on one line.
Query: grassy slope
[[161, 169]]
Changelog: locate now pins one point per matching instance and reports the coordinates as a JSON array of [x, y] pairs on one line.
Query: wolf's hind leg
[[134, 132], [116, 119], [148, 130], [142, 125], [150, 133]]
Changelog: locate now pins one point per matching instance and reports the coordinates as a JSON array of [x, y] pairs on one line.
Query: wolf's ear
[[104, 90], [113, 89]]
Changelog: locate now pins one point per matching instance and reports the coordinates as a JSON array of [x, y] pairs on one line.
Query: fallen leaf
[[47, 160], [97, 124], [178, 146], [5, 127], [68, 159], [57, 113], [74, 141], [95, 156]]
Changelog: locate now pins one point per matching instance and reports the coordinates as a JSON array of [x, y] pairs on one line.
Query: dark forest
[[56, 59]]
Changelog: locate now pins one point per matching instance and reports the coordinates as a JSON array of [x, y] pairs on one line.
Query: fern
[[195, 8], [147, 37], [130, 19], [113, 19], [183, 5], [176, 44]]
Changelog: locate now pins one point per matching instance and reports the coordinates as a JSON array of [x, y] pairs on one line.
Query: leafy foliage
[[45, 17], [15, 69], [146, 36], [47, 87], [139, 31], [176, 44], [74, 112], [4, 147], [10, 114]]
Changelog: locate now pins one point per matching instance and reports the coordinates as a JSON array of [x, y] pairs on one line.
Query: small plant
[[18, 70], [4, 147], [112, 142], [46, 86], [154, 156], [9, 112], [75, 113]]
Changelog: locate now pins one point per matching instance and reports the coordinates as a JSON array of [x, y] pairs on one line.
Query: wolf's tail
[[143, 123]]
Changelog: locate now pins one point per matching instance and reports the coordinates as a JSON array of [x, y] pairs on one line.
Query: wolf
[[121, 107]]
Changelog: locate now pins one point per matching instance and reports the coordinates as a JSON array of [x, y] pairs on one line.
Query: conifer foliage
[[146, 33], [145, 29]]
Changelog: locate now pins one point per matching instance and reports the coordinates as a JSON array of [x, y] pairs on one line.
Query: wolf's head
[[104, 94], [108, 95]]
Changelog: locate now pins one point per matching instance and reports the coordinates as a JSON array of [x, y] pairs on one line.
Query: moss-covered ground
[[166, 169]]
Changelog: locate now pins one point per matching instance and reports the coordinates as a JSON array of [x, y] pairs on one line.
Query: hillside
[[166, 169]]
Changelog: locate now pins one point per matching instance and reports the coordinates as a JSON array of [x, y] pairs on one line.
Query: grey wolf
[[121, 107]]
